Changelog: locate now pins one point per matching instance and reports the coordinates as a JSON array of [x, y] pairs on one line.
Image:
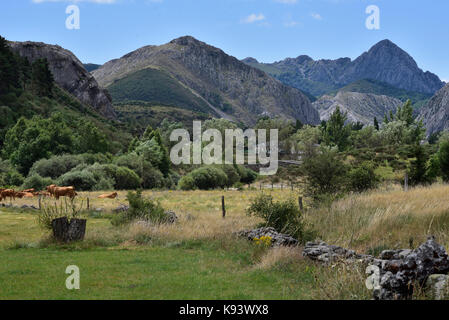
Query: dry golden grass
[[278, 256], [199, 212], [390, 219]]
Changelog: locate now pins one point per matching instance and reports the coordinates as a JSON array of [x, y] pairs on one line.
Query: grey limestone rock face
[[435, 114], [69, 73], [217, 78]]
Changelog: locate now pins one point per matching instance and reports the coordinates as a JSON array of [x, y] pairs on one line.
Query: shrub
[[81, 180], [152, 178], [56, 166], [186, 183], [51, 211], [125, 178], [141, 209], [36, 182], [104, 183], [284, 216], [326, 174], [363, 177], [247, 176], [9, 176], [232, 175], [204, 178]]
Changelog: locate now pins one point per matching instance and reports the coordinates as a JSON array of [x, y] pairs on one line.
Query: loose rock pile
[[325, 253], [277, 239], [395, 271], [398, 274]]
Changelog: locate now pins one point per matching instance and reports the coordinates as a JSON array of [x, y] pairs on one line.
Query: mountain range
[[189, 79], [384, 62], [192, 74]]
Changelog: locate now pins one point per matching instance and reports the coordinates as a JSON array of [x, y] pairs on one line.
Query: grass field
[[200, 258]]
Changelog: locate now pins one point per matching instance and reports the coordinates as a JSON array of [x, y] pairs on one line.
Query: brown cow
[[108, 196], [29, 190], [8, 193], [28, 195], [51, 189], [64, 192], [19, 195]]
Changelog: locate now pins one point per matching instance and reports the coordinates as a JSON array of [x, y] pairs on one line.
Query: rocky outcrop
[[384, 62], [397, 276], [277, 239], [435, 114], [231, 88], [322, 252], [362, 107], [393, 275], [69, 73]]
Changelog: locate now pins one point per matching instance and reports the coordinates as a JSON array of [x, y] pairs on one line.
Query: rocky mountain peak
[[435, 115], [250, 60], [231, 88], [69, 73]]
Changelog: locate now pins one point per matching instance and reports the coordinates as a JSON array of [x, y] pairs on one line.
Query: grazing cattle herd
[[51, 191]]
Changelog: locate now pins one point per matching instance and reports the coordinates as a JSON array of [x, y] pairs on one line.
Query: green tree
[[37, 138], [376, 124], [336, 133], [419, 166], [325, 172], [42, 78], [443, 158]]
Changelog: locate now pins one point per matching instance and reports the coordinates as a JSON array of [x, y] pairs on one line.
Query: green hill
[[29, 89], [157, 87]]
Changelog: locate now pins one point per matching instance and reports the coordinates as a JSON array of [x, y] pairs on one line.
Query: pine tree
[[376, 124], [336, 133], [42, 78]]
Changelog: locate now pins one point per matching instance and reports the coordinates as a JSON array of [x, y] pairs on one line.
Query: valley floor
[[200, 258]]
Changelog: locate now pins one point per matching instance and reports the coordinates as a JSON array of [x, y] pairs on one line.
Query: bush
[[187, 183], [36, 182], [284, 216], [152, 178], [9, 176], [204, 178], [141, 209], [81, 180], [326, 174], [247, 176], [232, 175], [125, 178], [363, 177], [104, 184], [56, 166]]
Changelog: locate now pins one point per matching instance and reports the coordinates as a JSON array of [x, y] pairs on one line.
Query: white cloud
[[254, 18], [290, 24], [316, 16], [75, 1]]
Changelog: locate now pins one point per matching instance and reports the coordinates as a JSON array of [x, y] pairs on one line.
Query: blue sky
[[268, 30]]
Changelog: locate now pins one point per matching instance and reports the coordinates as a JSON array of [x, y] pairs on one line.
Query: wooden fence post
[[406, 182], [88, 204], [40, 198], [301, 205], [223, 208]]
